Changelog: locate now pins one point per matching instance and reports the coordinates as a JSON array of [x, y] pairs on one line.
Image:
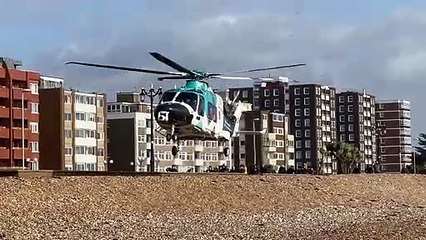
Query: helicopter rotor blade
[[270, 68], [173, 77], [172, 63], [234, 78], [127, 68]]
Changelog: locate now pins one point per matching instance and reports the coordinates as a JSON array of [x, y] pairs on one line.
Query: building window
[[276, 102], [34, 146], [68, 151], [34, 107], [297, 91], [245, 94], [67, 99], [298, 123], [381, 114], [351, 137], [298, 144], [306, 90], [351, 128], [68, 133], [267, 103], [307, 133], [307, 122], [350, 99], [34, 88], [243, 155], [341, 108], [341, 99], [276, 92], [297, 102], [67, 117], [308, 144], [342, 118], [381, 106], [350, 118], [298, 133], [266, 92], [308, 154], [350, 108], [306, 101], [298, 154], [307, 112], [34, 127], [342, 128], [297, 112], [242, 143], [342, 137]]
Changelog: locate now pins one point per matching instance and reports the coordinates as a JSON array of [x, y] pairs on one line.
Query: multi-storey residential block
[[129, 148], [19, 116], [73, 130], [313, 124], [356, 123], [395, 143], [273, 147], [269, 94]]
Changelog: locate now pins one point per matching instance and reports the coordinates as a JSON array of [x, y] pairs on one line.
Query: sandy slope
[[214, 207]]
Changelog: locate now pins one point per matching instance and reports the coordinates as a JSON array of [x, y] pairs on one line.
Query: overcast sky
[[377, 45]]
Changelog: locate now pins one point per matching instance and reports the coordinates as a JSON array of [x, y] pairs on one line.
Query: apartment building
[[129, 133], [395, 143], [73, 130], [268, 93], [19, 116], [273, 147], [356, 123], [313, 124]]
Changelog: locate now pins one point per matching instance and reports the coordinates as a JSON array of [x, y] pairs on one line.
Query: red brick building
[[17, 85]]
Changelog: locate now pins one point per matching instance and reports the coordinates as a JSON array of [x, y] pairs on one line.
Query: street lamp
[[22, 127], [151, 93]]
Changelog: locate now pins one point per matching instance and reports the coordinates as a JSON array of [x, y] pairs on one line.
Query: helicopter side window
[[212, 112], [189, 98], [201, 106], [168, 96]]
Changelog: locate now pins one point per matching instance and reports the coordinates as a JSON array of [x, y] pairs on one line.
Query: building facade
[[73, 130], [19, 116], [313, 124], [270, 94], [129, 148], [356, 123], [275, 146], [394, 144]]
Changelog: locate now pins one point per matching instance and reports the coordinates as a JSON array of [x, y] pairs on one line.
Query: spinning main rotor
[[184, 73]]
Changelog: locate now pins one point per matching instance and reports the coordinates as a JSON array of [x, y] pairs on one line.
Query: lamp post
[[23, 127], [151, 93]]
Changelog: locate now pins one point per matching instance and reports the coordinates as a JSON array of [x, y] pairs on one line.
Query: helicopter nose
[[172, 113]]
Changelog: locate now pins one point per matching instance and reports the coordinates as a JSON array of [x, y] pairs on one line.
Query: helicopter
[[194, 111]]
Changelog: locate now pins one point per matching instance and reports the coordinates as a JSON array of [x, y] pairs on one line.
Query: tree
[[347, 156]]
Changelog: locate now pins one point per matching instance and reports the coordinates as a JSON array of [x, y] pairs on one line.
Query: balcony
[[4, 153]]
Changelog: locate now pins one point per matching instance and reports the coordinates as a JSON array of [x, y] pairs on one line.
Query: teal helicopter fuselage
[[190, 110]]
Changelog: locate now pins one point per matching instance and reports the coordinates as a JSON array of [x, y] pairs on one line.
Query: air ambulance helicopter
[[194, 111]]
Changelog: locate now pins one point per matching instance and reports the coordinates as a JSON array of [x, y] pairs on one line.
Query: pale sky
[[377, 45]]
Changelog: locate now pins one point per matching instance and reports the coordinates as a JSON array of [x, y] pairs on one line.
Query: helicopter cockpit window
[[201, 106], [168, 96], [189, 98], [212, 112]]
